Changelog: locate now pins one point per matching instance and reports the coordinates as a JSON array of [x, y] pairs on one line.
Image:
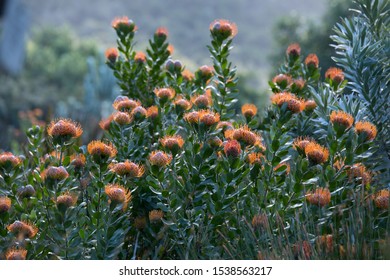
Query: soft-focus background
[[52, 63]]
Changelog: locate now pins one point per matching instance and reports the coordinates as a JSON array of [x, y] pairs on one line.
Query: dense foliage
[[180, 175]]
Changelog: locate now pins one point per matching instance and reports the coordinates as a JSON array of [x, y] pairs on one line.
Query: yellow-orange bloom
[[342, 119], [66, 200], [118, 194], [121, 118], [312, 61], [64, 129], [223, 29], [123, 103], [139, 113], [128, 168], [359, 171], [16, 254], [124, 24], [208, 117], [54, 173], [316, 153], [78, 161], [111, 54], [140, 57], [155, 216], [5, 204], [192, 117], [202, 100], [23, 229], [187, 75], [367, 128], [245, 135], [255, 158], [152, 112], [225, 125], [101, 150], [293, 50], [172, 143], [9, 161], [282, 80], [294, 104], [105, 123], [232, 148], [300, 143], [381, 199], [160, 158], [310, 105], [335, 74], [182, 103], [249, 110], [165, 93], [319, 197]]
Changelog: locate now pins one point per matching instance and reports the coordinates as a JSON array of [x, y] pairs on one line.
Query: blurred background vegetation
[[64, 72]]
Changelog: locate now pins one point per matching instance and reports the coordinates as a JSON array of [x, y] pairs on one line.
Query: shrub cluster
[[180, 175]]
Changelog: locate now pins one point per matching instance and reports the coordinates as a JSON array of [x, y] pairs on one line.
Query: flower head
[[294, 104], [249, 110], [53, 173], [310, 105], [152, 112], [165, 93], [172, 143], [23, 229], [381, 199], [316, 153], [282, 80], [121, 118], [111, 54], [367, 129], [360, 172], [192, 117], [106, 123], [223, 29], [118, 194], [244, 134], [63, 130], [101, 151], [293, 51], [66, 200], [255, 158], [16, 254], [125, 104], [326, 241], [26, 191], [300, 143], [335, 74], [208, 117], [5, 204], [214, 142], [139, 113], [124, 25], [155, 216], [182, 103], [160, 158], [202, 100], [8, 161], [140, 57], [319, 197], [298, 84], [78, 161], [232, 148], [341, 120], [204, 72], [312, 61], [225, 125], [128, 168], [161, 35], [187, 75]]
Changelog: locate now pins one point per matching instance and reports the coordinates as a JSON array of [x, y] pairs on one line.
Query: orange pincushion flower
[[202, 100], [155, 216], [282, 80], [367, 128], [310, 105], [101, 151], [128, 168], [225, 125], [66, 200], [78, 161], [223, 29], [215, 142], [172, 143], [53, 173], [294, 104], [161, 32], [319, 197], [188, 75], [293, 50], [16, 254], [192, 117], [152, 112], [165, 93], [26, 191], [105, 123], [5, 204], [8, 161], [299, 83], [244, 134], [205, 72], [140, 57], [316, 153], [301, 142], [124, 24], [121, 118], [23, 229], [170, 49], [182, 103], [335, 74], [381, 199], [64, 129], [232, 148], [342, 119], [255, 158], [249, 110], [360, 172], [111, 54], [123, 103], [302, 248], [312, 61], [208, 117], [160, 158], [288, 168], [118, 194], [139, 113]]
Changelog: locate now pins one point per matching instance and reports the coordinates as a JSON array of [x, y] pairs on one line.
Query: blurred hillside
[[186, 20]]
